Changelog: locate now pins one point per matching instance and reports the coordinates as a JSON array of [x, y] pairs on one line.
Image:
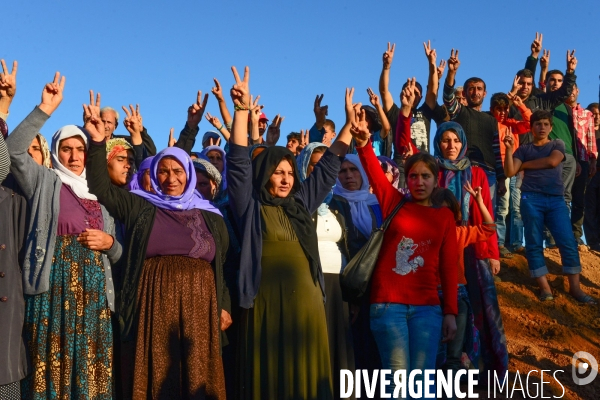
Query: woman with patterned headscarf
[[39, 151], [67, 277], [120, 161]]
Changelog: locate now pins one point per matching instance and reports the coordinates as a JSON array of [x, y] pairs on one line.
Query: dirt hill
[[546, 335]]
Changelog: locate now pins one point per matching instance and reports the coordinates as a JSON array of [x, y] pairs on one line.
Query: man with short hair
[[293, 141], [583, 123], [591, 219], [481, 129]]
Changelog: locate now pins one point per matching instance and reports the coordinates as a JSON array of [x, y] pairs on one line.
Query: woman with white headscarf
[[360, 209], [67, 275]]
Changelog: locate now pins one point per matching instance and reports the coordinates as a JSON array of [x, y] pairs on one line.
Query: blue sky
[[159, 53]]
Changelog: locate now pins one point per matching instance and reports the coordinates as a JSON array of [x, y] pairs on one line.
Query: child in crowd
[[467, 338], [499, 108], [543, 203]]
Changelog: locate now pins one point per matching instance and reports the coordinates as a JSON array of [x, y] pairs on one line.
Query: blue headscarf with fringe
[[303, 161], [455, 172]]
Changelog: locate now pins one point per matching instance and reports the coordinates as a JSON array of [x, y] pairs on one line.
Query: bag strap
[[387, 221]]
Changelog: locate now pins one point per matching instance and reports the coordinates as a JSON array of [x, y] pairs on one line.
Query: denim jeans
[[537, 210], [503, 204], [407, 337], [516, 222], [491, 176], [578, 199]]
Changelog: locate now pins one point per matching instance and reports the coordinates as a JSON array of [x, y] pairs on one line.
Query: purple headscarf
[[136, 179], [390, 166], [190, 198], [220, 150]]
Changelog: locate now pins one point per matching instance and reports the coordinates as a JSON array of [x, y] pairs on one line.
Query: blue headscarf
[[455, 172], [189, 199], [303, 161]]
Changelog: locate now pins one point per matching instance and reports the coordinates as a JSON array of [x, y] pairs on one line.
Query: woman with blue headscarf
[[333, 253], [450, 149], [173, 299]]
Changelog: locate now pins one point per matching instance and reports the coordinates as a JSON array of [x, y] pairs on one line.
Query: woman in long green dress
[[284, 350]]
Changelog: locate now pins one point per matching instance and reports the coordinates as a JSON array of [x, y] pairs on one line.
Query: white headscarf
[[359, 200], [77, 183]]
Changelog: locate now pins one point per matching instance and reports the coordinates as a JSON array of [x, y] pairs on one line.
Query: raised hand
[[217, 91], [240, 92], [52, 94], [545, 59], [360, 129], [172, 139], [304, 140], [373, 98], [508, 142], [441, 68], [515, 99], [536, 45], [133, 120], [515, 86], [430, 53], [196, 110], [255, 110], [348, 106], [8, 81], [453, 61], [91, 116], [320, 111], [215, 121], [388, 56], [571, 62], [274, 131], [476, 193], [408, 95]]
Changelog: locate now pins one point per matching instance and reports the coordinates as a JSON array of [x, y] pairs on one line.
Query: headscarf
[[208, 149], [202, 164], [115, 146], [359, 200], [189, 199], [263, 167], [303, 161], [46, 158], [392, 167], [136, 179], [77, 183], [456, 172]]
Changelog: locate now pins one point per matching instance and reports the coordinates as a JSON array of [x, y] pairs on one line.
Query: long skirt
[[178, 353], [341, 347], [284, 350], [68, 330]]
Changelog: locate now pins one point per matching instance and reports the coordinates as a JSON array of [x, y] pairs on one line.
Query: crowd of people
[[132, 273]]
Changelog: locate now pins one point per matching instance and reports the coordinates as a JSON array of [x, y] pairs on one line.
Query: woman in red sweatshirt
[[420, 243]]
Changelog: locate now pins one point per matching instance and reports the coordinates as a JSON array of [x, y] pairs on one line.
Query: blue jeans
[[407, 337], [491, 176], [516, 222], [537, 210]]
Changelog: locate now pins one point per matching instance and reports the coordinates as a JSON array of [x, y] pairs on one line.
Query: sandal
[[543, 297], [505, 253], [586, 299]]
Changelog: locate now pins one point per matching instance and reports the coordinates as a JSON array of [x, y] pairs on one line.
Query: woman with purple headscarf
[[173, 300], [141, 179]]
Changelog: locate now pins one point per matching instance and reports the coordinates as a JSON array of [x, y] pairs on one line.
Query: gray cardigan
[[41, 187]]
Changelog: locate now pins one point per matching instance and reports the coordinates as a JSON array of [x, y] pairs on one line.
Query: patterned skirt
[[68, 330], [178, 350]]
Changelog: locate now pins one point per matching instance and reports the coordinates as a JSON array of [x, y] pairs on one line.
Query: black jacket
[[13, 361], [137, 216]]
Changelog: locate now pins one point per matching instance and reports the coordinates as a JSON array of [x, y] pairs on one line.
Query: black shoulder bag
[[355, 278]]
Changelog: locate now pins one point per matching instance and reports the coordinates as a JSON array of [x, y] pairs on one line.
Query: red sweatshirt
[[489, 248], [515, 127], [420, 243]]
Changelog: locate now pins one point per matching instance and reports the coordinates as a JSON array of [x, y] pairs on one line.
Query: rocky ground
[[544, 336]]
